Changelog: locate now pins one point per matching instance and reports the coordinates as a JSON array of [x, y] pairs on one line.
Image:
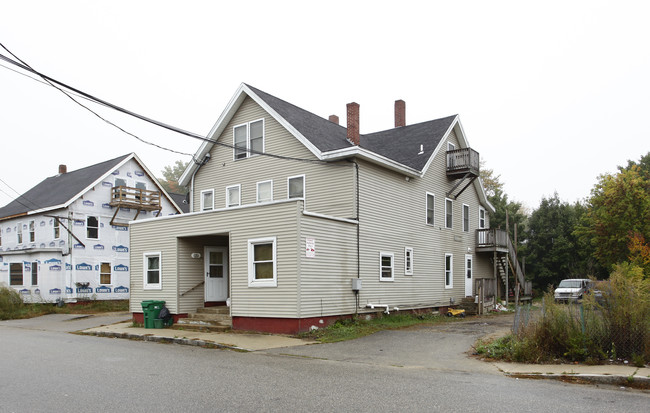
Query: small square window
[[265, 191], [207, 200], [262, 266], [233, 196], [386, 266], [296, 187]]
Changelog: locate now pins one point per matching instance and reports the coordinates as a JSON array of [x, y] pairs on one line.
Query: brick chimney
[[63, 169], [353, 123], [400, 113], [334, 118]]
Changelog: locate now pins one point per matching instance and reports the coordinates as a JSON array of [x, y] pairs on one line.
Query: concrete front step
[[213, 310], [207, 319], [210, 317]]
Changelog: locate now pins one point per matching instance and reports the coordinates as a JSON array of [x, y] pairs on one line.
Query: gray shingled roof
[[400, 144], [59, 189]]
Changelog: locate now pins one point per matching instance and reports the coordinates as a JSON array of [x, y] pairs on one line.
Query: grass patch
[[351, 328], [13, 307]]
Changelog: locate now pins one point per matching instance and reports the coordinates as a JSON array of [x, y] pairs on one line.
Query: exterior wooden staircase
[[206, 319]]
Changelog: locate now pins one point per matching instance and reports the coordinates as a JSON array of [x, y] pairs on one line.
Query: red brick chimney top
[[400, 113], [63, 169], [334, 118], [353, 123]]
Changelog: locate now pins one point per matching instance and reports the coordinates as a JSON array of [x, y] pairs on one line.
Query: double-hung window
[[248, 139], [265, 191], [481, 218], [465, 218], [408, 261], [105, 273], [152, 271], [32, 231], [233, 196], [19, 233], [386, 272], [296, 187], [57, 228], [16, 273], [449, 270], [207, 200], [431, 201], [448, 213], [92, 227], [262, 268], [34, 273]]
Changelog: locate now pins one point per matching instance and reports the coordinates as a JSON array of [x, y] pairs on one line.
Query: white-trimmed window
[[105, 273], [92, 227], [465, 218], [207, 200], [386, 272], [408, 261], [16, 273], [34, 273], [262, 268], [431, 204], [248, 139], [481, 218], [449, 270], [451, 146], [265, 191], [57, 228], [233, 196], [152, 271], [32, 231], [296, 186], [449, 214], [19, 233]]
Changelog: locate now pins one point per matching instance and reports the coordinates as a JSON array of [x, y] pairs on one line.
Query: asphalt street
[[45, 368]]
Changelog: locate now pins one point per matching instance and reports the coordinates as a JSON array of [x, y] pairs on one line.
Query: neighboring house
[[67, 238], [297, 221]]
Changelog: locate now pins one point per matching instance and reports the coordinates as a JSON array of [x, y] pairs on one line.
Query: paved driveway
[[443, 346]]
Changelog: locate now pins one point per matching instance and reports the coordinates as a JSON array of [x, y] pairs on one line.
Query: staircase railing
[[516, 268]]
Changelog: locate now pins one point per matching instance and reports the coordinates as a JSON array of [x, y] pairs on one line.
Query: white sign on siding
[[310, 248]]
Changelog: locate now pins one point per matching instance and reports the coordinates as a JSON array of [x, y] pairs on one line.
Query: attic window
[[248, 139]]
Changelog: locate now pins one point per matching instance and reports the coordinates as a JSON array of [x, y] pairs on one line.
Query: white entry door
[[216, 274], [469, 276]]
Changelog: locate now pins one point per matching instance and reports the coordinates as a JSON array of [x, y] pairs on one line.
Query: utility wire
[[53, 81]]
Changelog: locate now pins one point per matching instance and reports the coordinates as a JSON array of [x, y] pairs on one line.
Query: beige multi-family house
[[297, 221]]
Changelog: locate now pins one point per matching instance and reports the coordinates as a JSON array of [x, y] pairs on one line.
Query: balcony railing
[[137, 198], [491, 238], [463, 161]]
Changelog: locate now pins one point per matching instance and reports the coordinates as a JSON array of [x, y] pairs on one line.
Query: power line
[[50, 80]]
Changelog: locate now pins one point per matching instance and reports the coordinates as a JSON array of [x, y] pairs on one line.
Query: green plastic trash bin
[[150, 310]]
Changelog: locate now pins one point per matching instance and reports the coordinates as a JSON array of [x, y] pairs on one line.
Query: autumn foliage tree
[[171, 176]]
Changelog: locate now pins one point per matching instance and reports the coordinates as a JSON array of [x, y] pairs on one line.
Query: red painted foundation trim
[[284, 325]]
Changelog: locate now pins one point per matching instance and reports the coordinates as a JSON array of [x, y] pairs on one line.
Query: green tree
[[618, 214], [515, 214], [553, 250], [171, 176]]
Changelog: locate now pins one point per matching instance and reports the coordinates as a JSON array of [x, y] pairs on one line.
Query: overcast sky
[[551, 94]]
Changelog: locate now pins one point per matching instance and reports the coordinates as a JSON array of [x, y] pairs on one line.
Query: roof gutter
[[372, 157]]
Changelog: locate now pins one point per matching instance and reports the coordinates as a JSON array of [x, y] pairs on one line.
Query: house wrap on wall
[[296, 220], [67, 238]]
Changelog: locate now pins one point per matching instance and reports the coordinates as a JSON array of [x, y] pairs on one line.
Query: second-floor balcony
[[491, 239], [461, 162], [135, 198]]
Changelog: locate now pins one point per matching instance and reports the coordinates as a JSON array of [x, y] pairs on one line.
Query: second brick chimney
[[400, 113], [353, 123], [63, 169], [334, 119]]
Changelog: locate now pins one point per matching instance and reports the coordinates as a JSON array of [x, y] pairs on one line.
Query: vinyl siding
[[177, 237], [393, 216], [325, 280], [330, 188]]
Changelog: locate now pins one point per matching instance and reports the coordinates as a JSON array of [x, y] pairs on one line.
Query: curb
[[642, 383], [165, 340]]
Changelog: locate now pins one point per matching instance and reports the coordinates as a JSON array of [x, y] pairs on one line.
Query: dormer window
[[248, 139]]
